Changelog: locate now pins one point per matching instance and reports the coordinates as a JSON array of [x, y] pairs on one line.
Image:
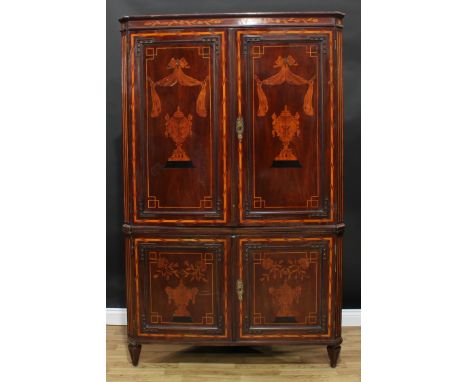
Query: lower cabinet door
[[181, 288], [285, 288]]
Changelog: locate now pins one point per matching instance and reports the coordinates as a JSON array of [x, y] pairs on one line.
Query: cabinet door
[[181, 288], [285, 287], [286, 99], [178, 119]]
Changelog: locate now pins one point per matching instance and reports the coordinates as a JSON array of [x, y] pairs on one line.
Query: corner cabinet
[[233, 179]]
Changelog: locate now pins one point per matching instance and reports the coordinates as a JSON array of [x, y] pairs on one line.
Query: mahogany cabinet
[[233, 178]]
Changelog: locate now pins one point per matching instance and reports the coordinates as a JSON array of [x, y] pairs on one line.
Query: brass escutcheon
[[240, 289]]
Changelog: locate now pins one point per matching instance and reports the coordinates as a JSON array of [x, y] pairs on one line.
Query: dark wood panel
[[178, 110], [285, 96], [181, 287], [287, 288]]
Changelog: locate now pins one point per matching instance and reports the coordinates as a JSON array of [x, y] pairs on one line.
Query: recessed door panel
[[179, 127], [286, 287], [285, 98], [182, 287]]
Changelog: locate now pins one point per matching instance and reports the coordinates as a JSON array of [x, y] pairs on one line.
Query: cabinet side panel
[[125, 130], [129, 279], [339, 127], [338, 284]]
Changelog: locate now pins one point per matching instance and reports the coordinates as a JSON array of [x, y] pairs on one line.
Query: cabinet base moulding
[[118, 316]]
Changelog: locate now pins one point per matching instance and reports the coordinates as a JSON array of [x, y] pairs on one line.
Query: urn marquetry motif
[[178, 128], [286, 127]]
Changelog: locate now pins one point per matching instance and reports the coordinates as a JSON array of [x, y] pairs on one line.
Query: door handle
[[240, 289], [240, 127]]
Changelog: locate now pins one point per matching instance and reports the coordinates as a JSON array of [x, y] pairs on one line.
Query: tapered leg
[[333, 353], [134, 350]]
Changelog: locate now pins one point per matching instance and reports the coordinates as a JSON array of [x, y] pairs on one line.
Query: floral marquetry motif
[[284, 269], [194, 22], [190, 270], [195, 271], [166, 269]]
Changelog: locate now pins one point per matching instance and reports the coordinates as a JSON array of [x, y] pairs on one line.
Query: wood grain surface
[[180, 363]]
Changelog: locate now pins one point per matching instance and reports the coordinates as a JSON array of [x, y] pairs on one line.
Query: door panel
[[182, 287], [287, 288], [285, 96], [179, 127]]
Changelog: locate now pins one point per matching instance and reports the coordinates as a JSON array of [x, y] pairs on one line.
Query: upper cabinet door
[[177, 96], [285, 97]]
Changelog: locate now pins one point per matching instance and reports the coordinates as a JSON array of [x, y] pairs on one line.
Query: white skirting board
[[118, 316]]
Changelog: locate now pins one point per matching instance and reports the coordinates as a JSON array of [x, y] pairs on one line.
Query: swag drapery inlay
[[284, 75], [178, 77]]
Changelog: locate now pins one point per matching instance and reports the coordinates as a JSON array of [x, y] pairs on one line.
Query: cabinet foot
[[333, 353], [134, 350]]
